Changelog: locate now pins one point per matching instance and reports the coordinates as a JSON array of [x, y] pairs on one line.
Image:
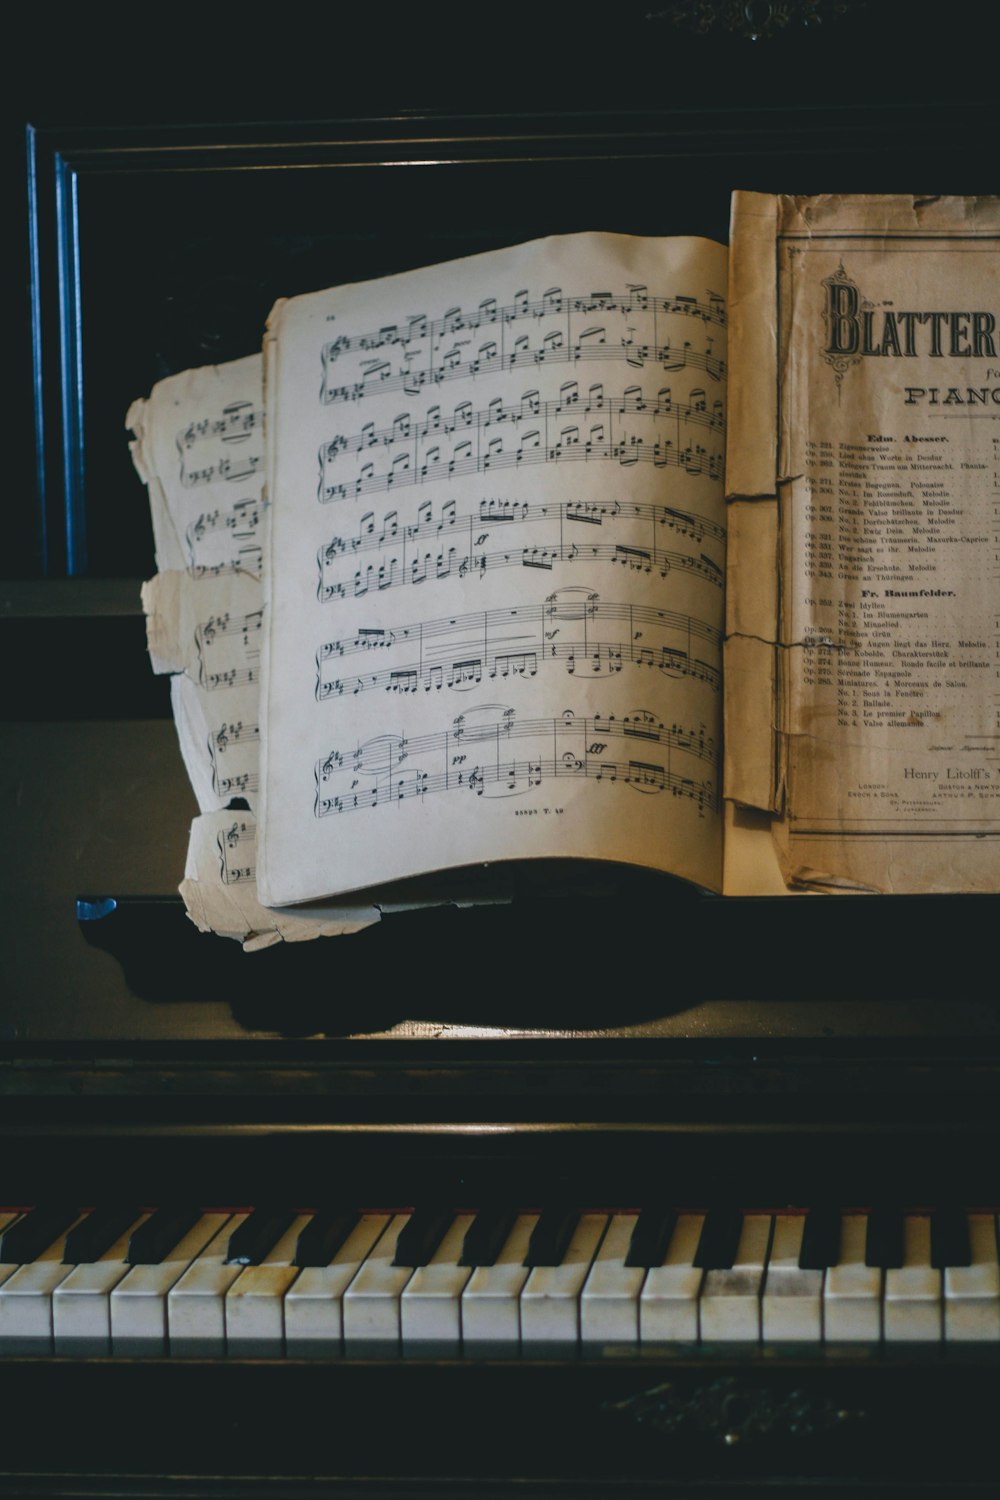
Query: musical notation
[[380, 377], [239, 420], [552, 303], [404, 560], [572, 626], [232, 751], [572, 428], [449, 560], [228, 650], [512, 513], [475, 755], [225, 541], [421, 353], [237, 845], [229, 469], [464, 418]]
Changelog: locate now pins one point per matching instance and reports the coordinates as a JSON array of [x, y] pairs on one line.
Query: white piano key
[[730, 1300], [81, 1303], [255, 1317], [371, 1302], [550, 1301], [430, 1307], [491, 1302], [609, 1303], [314, 1314], [792, 1305], [196, 1304], [668, 1304], [26, 1300], [852, 1291], [139, 1301], [254, 1304], [972, 1293], [912, 1301]]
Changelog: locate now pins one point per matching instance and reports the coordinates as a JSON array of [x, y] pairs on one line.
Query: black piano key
[[820, 1240], [153, 1241], [486, 1236], [651, 1237], [950, 1241], [26, 1239], [720, 1236], [257, 1236], [323, 1236], [551, 1236], [884, 1239], [95, 1234], [421, 1235]]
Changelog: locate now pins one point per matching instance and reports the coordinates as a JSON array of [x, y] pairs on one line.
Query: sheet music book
[[497, 576]]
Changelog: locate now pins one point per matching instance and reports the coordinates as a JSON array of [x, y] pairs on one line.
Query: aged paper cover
[[864, 450]]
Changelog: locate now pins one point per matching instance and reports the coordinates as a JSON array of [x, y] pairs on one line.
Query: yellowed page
[[886, 429], [198, 443], [199, 446], [495, 562]]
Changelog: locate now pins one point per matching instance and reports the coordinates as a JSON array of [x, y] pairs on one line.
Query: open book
[[484, 591]]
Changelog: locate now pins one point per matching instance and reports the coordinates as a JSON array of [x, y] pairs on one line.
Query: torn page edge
[[221, 896], [176, 605], [167, 544], [162, 608], [216, 901], [135, 423]]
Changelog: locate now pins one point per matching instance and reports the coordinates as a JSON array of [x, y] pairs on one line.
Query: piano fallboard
[[723, 1423]]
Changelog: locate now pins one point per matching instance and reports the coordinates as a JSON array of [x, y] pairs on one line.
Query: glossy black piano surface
[[592, 1047]]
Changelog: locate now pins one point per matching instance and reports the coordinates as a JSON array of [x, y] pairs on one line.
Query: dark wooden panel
[[595, 1428]]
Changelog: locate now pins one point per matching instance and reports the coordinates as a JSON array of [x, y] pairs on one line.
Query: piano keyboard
[[272, 1282]]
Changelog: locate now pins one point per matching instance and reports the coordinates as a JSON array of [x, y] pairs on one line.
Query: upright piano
[[534, 1198]]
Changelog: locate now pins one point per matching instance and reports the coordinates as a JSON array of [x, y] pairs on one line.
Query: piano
[[385, 1215]]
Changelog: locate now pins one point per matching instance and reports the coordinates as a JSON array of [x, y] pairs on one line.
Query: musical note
[[228, 649], [551, 303], [237, 845], [206, 446], [228, 469], [232, 751], [525, 355], [472, 559], [474, 755], [526, 432], [420, 353], [225, 540], [238, 422], [569, 627]]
